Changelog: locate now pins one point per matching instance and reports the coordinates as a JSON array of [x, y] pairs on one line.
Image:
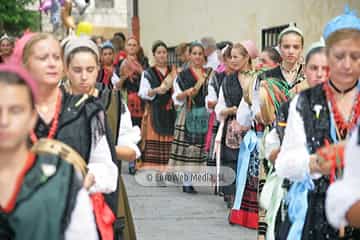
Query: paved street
[[165, 213]]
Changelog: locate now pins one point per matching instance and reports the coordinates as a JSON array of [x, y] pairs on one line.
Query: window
[[269, 36], [172, 58], [104, 3]]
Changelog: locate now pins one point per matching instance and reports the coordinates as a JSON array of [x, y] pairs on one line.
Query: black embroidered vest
[[74, 124], [316, 129], [163, 115], [186, 80], [232, 90]]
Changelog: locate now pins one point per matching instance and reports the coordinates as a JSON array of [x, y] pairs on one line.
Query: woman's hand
[[261, 237], [229, 111], [313, 164], [325, 167], [191, 92], [160, 90], [89, 181]]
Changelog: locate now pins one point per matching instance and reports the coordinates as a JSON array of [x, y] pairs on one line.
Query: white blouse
[[272, 142], [100, 163], [211, 95], [144, 88], [114, 79], [244, 114], [177, 91], [220, 106], [345, 192], [129, 135], [294, 157], [82, 221], [213, 60]]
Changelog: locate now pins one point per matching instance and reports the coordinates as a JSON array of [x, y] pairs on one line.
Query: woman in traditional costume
[[269, 58], [277, 83], [233, 90], [160, 114], [190, 90], [230, 95], [61, 113], [42, 194], [129, 70], [107, 69], [316, 72], [81, 57], [291, 42], [317, 120], [211, 100]]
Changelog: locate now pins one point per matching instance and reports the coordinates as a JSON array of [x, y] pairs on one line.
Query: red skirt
[[248, 214]]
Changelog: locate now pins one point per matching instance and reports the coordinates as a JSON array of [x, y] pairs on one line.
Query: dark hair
[[196, 44], [94, 38], [13, 79], [274, 55], [81, 49], [223, 44], [120, 35], [157, 44], [294, 32], [313, 52], [181, 49], [140, 54]]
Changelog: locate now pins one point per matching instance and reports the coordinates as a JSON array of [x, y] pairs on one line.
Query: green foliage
[[15, 17]]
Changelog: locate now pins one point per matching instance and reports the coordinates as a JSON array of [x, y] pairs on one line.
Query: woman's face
[[317, 69], [107, 56], [45, 63], [238, 60], [17, 116], [197, 56], [160, 55], [344, 61], [82, 72], [291, 48], [132, 47], [6, 47], [265, 61]]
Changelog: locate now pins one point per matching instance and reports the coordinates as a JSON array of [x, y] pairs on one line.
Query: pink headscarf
[[23, 74], [16, 57], [250, 48]]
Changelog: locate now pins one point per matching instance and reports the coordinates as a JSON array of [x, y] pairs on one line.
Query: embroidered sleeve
[[144, 88], [342, 194]]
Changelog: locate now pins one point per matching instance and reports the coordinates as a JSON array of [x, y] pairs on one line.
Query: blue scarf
[[248, 145]]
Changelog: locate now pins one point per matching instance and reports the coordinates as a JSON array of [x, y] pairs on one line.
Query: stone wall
[[235, 20]]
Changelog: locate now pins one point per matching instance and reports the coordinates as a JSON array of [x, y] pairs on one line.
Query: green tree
[[15, 17]]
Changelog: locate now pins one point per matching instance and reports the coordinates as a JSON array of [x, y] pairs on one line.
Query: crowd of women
[[280, 121]]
